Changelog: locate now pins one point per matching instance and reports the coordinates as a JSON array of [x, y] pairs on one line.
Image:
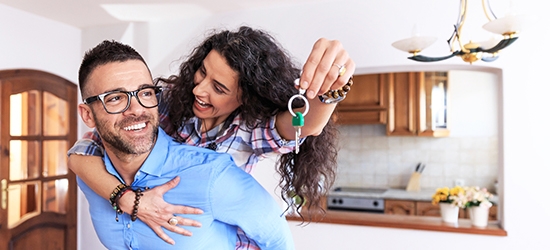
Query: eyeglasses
[[116, 102]]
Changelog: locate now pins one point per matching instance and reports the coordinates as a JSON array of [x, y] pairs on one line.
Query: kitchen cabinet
[[366, 102], [417, 104], [426, 208], [401, 207]]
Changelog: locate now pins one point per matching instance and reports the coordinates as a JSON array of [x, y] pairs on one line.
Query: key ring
[[299, 95]]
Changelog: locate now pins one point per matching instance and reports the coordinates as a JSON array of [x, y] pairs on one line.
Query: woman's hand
[[324, 68], [156, 213]]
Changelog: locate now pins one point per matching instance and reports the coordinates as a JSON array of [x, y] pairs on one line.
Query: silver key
[[298, 123], [298, 133]]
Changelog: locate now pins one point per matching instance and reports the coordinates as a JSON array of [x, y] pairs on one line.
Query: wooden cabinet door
[[432, 104], [415, 109], [493, 213], [426, 208], [366, 102], [400, 207], [403, 103]]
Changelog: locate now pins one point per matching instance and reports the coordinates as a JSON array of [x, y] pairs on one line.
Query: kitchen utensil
[[414, 181]]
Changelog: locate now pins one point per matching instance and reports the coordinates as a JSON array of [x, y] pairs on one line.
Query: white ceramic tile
[[371, 158]]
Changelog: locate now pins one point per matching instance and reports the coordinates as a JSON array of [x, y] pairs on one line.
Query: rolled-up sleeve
[[89, 145]]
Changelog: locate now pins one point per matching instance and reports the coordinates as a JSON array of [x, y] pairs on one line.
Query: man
[[120, 101]]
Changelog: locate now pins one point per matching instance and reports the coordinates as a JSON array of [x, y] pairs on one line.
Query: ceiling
[[90, 13]]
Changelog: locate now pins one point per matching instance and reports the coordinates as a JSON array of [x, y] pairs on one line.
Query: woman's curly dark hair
[[266, 78]]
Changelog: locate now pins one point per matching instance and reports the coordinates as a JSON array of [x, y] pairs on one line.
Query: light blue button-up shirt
[[229, 197]]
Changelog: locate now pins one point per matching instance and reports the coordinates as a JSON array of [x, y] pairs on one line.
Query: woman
[[231, 95]]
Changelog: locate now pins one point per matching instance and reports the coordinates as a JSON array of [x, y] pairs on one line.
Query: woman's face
[[216, 91]]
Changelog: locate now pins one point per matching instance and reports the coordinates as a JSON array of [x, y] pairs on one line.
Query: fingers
[[183, 222], [178, 209], [161, 234], [159, 231], [176, 227], [156, 213], [321, 71], [168, 185]]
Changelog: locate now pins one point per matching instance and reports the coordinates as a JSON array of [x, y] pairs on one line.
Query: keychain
[[298, 117]]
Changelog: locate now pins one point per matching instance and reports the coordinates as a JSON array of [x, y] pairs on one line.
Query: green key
[[298, 123], [298, 120]]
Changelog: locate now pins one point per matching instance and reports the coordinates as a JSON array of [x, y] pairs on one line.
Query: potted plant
[[449, 200], [477, 201]]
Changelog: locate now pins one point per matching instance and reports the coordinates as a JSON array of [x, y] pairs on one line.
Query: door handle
[[4, 193]]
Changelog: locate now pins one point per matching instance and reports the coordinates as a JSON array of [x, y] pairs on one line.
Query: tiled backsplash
[[369, 158]]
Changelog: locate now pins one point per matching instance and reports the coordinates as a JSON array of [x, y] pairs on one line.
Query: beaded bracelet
[[136, 204], [116, 192], [337, 95], [117, 198]]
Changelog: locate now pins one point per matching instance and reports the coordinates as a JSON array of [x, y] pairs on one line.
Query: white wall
[[366, 28], [32, 42]]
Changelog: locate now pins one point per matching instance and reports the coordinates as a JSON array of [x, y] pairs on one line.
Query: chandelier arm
[[501, 45], [458, 27], [488, 10], [490, 59], [421, 58], [452, 39]]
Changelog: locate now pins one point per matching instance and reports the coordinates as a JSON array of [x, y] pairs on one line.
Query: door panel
[[38, 125]]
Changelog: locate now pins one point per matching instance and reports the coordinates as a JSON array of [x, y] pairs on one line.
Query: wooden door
[[38, 192]]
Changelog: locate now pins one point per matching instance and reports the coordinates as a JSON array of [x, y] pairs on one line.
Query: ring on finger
[[341, 69], [173, 221]]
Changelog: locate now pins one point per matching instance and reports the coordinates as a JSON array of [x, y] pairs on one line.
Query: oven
[[356, 199]]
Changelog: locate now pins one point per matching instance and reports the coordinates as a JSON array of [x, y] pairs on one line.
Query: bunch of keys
[[298, 117]]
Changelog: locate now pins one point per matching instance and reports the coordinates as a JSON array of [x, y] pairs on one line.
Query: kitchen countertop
[[429, 223], [399, 221], [396, 194]]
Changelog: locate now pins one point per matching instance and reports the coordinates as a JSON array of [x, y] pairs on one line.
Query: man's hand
[[156, 213]]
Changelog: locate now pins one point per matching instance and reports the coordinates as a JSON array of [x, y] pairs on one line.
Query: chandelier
[[508, 27]]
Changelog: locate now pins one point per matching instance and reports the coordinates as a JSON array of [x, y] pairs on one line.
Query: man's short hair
[[106, 52]]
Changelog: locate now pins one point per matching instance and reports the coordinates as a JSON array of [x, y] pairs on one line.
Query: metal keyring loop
[[290, 104]]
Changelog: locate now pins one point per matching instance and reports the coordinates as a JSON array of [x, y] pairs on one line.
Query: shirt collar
[[154, 162]]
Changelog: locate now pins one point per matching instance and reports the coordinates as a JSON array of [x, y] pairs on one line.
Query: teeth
[[201, 103], [135, 126]]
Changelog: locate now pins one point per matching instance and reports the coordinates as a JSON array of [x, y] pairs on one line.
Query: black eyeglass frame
[[158, 90]]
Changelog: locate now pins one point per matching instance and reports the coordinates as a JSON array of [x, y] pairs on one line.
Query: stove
[[356, 199]]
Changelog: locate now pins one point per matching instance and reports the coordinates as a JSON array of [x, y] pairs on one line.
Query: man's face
[[133, 131]]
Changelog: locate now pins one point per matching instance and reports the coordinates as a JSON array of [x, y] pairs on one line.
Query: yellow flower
[[446, 194], [456, 191]]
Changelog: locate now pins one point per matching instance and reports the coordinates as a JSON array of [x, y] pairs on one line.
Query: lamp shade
[[508, 25], [414, 44]]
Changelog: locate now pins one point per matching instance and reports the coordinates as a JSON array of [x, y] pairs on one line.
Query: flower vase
[[449, 212], [479, 215]]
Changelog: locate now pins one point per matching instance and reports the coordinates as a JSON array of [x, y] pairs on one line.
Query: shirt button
[[128, 225]]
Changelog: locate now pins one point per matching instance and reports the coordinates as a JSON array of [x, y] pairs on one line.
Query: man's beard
[[128, 146]]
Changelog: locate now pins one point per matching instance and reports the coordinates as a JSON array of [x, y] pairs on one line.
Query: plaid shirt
[[246, 146]]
